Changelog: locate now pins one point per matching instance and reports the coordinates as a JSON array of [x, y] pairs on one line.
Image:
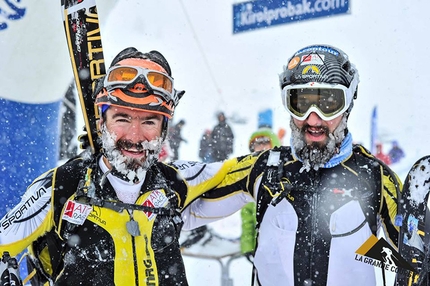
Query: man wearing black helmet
[[321, 201], [114, 217]]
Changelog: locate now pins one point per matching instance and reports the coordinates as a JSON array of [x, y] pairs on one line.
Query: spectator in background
[[175, 138], [263, 139], [265, 133], [396, 153], [381, 155], [222, 139], [205, 149]]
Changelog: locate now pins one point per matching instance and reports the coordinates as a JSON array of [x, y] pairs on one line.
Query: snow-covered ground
[[223, 268]]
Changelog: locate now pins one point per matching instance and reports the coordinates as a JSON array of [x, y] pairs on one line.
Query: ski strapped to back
[[82, 27]]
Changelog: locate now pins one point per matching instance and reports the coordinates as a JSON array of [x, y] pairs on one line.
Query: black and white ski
[[415, 230], [81, 24]]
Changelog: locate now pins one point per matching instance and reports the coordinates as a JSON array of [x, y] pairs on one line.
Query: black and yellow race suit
[[311, 223], [80, 234]]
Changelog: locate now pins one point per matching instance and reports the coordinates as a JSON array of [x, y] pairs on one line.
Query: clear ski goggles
[[326, 100], [126, 76]]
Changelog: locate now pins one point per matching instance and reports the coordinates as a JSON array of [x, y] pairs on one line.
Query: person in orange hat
[[114, 217]]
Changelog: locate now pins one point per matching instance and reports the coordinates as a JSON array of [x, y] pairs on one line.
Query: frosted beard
[[317, 154], [131, 169]]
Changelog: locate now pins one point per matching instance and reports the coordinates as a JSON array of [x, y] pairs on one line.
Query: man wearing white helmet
[[321, 201], [114, 217]]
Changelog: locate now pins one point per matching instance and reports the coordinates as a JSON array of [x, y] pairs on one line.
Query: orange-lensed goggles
[[128, 76]]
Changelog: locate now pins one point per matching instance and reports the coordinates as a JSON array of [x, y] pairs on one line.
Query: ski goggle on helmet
[[319, 79], [138, 81], [127, 76]]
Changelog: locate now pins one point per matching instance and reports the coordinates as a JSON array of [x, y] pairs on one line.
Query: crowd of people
[[394, 155], [114, 217], [215, 145]]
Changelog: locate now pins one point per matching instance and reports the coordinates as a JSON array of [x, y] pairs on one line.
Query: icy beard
[[315, 155], [131, 169]]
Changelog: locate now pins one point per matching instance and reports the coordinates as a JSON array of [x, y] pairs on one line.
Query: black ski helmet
[[322, 64]]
